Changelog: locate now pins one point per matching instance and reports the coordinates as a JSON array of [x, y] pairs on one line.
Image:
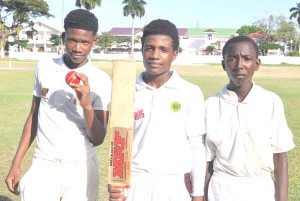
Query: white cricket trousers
[[149, 187], [225, 187], [60, 181]]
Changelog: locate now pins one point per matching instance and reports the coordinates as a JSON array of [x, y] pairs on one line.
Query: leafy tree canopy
[[276, 30], [134, 8], [248, 29], [295, 13], [286, 31], [18, 14], [88, 4], [105, 41], [56, 39]]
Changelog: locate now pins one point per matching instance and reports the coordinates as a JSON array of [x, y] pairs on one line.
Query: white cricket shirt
[[61, 134], [242, 137], [168, 130]]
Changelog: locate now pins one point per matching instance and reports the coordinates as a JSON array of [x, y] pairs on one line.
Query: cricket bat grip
[[117, 192]]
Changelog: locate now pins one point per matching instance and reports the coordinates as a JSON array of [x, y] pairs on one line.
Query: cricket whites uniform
[[241, 139], [168, 141], [65, 161]]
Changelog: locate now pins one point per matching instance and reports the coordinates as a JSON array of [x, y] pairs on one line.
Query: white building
[[39, 40]]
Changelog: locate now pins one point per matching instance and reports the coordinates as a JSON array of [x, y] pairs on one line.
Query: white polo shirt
[[168, 129], [242, 137], [61, 134]]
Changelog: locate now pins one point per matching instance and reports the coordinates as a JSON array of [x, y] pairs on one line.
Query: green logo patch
[[175, 106]]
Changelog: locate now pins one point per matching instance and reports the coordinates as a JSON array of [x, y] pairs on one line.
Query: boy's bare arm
[[281, 176], [209, 172]]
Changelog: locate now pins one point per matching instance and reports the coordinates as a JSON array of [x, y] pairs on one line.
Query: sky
[[184, 14]]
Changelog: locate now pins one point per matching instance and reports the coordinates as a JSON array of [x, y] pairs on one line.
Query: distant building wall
[[188, 59]]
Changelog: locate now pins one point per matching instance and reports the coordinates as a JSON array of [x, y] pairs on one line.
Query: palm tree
[[295, 13], [88, 4], [133, 8]]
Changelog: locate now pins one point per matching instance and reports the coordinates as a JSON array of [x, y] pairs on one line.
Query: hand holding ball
[[72, 78]]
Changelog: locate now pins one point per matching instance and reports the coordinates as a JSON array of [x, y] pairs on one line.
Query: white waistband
[[227, 176]]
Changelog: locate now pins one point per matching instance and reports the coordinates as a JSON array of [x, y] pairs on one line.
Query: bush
[[294, 54]]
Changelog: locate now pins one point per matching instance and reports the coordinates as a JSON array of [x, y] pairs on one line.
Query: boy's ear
[[95, 41], [223, 65], [175, 53], [257, 64], [63, 37]]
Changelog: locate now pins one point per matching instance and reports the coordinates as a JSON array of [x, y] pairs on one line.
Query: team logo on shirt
[[175, 106], [139, 114]]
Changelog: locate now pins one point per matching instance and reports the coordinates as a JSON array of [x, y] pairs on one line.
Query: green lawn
[[15, 100]]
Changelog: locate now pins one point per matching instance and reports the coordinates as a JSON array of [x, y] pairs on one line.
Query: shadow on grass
[[4, 198]]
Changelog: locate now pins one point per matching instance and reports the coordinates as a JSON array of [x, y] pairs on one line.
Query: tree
[[125, 42], [56, 39], [16, 15], [208, 50], [21, 44], [105, 41], [276, 31], [295, 13], [268, 27], [88, 4], [286, 31], [246, 30], [133, 8]]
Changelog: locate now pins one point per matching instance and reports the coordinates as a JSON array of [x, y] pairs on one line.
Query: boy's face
[[78, 44], [158, 54], [240, 63]]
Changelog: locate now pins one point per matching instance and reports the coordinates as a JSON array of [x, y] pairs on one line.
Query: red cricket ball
[[72, 78]]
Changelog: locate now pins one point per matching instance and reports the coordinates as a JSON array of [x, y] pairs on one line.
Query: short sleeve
[[282, 138]]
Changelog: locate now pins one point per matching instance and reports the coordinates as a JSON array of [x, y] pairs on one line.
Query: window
[[209, 36], [29, 34]]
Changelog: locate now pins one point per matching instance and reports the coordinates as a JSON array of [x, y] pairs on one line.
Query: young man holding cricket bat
[[168, 155]]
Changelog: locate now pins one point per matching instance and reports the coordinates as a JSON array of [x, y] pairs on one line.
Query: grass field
[[16, 93]]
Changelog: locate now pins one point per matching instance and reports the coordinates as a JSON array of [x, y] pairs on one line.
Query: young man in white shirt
[[168, 159], [247, 133], [67, 120]]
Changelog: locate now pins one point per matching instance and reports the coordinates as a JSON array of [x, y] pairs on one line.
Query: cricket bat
[[121, 122]]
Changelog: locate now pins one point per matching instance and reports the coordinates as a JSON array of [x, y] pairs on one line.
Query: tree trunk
[[2, 43]]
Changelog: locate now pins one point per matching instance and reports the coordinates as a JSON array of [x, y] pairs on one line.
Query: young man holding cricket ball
[[68, 119], [168, 155]]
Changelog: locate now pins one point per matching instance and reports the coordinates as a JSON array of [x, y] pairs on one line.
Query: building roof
[[256, 35], [183, 32], [55, 25], [209, 31], [217, 31], [123, 31], [196, 44]]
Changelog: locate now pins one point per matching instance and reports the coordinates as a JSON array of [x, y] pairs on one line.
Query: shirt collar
[[231, 97], [171, 83], [63, 67]]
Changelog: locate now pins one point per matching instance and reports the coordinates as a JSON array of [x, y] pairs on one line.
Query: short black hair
[[81, 19], [238, 39], [161, 27]]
